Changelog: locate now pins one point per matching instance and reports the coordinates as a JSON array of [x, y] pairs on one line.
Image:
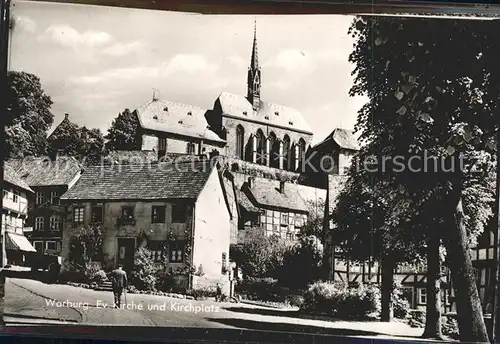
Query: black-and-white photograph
[[320, 174]]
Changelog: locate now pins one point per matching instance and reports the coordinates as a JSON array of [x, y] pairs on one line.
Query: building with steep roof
[[245, 127], [49, 179], [176, 210], [16, 196]]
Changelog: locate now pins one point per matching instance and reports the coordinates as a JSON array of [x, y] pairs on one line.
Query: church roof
[[344, 138], [270, 113], [265, 193], [176, 118], [42, 171], [141, 182]]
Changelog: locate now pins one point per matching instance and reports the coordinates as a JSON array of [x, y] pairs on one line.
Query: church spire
[[253, 79]]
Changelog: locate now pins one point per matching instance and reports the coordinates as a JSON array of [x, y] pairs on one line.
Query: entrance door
[[126, 253]]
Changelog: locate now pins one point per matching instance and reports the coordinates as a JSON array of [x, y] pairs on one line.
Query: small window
[[5, 194], [190, 113], [176, 253], [190, 148], [127, 215], [78, 215], [51, 245], [54, 197], [54, 223], [15, 197], [158, 214], [290, 236], [266, 117], [39, 198], [156, 249], [38, 245], [39, 224], [422, 297], [178, 213], [97, 214]]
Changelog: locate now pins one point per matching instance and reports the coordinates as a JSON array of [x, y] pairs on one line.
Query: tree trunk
[[469, 311], [387, 311], [433, 305]]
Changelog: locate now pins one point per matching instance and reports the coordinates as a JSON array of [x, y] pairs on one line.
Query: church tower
[[253, 79]]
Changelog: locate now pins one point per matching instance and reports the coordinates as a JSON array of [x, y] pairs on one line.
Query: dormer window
[[276, 113], [180, 121], [155, 117], [267, 117], [190, 113], [290, 122], [165, 108], [245, 113]]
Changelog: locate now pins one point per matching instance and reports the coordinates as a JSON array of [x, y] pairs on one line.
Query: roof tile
[[141, 182], [274, 114], [176, 118]]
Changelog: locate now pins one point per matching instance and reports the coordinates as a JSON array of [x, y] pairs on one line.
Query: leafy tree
[[80, 142], [124, 132], [85, 247], [305, 256], [315, 221], [260, 255], [91, 145], [143, 275], [424, 101], [27, 117]]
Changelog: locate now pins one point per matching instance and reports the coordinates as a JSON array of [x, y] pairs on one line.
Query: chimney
[[282, 187], [66, 116]]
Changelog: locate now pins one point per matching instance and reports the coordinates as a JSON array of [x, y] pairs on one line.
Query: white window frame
[[15, 196], [39, 198], [78, 215], [47, 245], [422, 296], [36, 242], [55, 219], [39, 223], [54, 195]]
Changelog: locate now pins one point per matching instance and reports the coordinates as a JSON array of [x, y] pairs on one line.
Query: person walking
[[119, 282]]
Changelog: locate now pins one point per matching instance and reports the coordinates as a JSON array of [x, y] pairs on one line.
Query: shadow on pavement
[[288, 313], [286, 327]]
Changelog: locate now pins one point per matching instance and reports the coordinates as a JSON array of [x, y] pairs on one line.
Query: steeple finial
[[255, 53], [254, 77]]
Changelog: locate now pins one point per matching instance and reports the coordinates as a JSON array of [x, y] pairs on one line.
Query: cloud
[[237, 61], [293, 60], [186, 64], [68, 37], [25, 24], [122, 49]]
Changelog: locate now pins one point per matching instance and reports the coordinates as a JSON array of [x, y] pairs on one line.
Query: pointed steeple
[[254, 77]]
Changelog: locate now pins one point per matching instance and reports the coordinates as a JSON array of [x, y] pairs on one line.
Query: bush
[[416, 318], [95, 275], [401, 305], [449, 326], [201, 293], [295, 300], [144, 273], [262, 289], [339, 300]]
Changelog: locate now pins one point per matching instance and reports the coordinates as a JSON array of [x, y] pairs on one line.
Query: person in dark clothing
[[119, 282], [218, 295]]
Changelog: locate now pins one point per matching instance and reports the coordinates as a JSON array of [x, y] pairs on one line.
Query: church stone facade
[[261, 146]]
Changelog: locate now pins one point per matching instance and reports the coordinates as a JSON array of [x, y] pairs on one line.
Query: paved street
[[31, 298]]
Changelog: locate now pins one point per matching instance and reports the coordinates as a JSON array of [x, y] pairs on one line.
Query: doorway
[[126, 253]]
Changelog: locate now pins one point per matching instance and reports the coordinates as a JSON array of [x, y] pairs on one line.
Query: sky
[[95, 61]]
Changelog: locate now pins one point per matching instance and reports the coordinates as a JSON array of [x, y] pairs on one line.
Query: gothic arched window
[[286, 153], [240, 142], [301, 156], [274, 149], [260, 146]]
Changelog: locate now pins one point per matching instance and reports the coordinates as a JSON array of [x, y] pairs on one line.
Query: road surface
[[33, 299]]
